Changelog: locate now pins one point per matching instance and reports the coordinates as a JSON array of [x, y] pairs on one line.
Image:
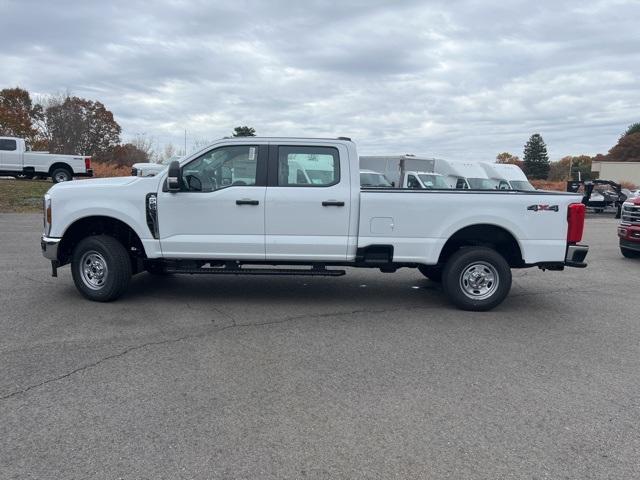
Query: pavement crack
[[93, 364], [204, 334]]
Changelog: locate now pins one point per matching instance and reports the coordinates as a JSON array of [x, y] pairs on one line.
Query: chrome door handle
[[332, 203], [247, 202]]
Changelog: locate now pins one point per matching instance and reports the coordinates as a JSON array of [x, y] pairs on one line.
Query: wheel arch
[[487, 235], [99, 225], [60, 165]]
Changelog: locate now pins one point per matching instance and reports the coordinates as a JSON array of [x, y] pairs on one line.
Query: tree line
[[536, 164], [68, 124]]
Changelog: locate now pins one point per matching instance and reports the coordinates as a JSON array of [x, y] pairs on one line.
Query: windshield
[[482, 183], [433, 181], [374, 180], [521, 185]]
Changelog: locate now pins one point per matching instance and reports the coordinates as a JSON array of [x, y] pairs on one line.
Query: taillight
[[575, 219], [87, 163]]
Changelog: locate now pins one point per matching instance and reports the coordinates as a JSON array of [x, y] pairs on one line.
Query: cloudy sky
[[455, 79]]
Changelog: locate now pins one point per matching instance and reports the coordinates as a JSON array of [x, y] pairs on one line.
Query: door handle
[[332, 203], [247, 202]]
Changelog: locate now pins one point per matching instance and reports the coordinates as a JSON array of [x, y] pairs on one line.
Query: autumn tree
[[19, 114], [628, 147], [536, 159], [123, 155], [506, 157], [78, 126], [244, 132]]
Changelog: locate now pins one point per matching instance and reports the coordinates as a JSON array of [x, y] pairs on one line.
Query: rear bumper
[[88, 173], [575, 255], [49, 247]]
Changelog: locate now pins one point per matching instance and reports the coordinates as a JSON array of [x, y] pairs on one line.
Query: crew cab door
[[219, 211], [308, 204]]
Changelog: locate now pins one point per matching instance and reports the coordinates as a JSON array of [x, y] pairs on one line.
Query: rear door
[[307, 207]]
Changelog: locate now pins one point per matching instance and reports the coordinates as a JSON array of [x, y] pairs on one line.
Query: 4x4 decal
[[537, 208]]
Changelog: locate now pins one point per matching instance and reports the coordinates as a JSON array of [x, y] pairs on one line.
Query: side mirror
[[393, 184], [173, 179]]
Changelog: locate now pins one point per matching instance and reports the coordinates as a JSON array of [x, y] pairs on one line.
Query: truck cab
[[629, 228]]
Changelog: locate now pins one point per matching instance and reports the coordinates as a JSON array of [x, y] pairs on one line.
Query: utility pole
[[570, 168], [185, 141]]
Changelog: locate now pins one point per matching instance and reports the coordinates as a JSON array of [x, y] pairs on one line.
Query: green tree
[[571, 168], [633, 128], [244, 132], [536, 159]]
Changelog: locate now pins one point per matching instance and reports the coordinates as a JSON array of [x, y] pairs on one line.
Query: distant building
[[618, 171]]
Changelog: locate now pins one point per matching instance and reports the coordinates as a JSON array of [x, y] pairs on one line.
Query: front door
[[219, 211], [307, 203]]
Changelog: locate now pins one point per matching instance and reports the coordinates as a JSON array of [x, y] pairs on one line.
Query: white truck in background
[[508, 176], [235, 207], [17, 162]]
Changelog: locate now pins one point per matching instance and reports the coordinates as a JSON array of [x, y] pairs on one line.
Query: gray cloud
[[460, 79]]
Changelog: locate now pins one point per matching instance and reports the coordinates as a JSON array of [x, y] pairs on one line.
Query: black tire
[[156, 268], [101, 253], [468, 266], [628, 253], [61, 174], [432, 272]]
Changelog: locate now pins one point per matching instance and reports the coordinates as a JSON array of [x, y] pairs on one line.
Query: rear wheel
[[628, 253], [432, 272], [476, 278], [61, 174], [101, 268]]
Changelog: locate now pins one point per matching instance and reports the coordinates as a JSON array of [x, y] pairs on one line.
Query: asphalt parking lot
[[369, 375]]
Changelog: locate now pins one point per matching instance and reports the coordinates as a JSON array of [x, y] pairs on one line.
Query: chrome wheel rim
[[62, 177], [93, 270], [479, 280]]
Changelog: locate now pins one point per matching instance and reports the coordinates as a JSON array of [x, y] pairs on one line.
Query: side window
[[308, 166], [504, 185], [461, 183], [220, 168], [7, 145], [412, 182]]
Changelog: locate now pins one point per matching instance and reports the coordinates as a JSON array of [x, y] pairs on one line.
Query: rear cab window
[[8, 145]]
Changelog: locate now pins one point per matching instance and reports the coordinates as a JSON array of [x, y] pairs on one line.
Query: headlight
[[46, 206]]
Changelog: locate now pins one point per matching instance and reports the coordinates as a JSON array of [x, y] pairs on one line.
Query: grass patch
[[22, 196]]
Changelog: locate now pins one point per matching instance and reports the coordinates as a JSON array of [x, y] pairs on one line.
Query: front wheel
[[628, 253], [476, 278], [101, 268]]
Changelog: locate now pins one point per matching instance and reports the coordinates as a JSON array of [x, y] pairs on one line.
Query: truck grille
[[631, 214]]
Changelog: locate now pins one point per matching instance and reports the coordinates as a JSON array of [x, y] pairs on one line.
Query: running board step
[[314, 272]]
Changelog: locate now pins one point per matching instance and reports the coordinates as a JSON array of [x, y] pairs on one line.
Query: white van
[[507, 175]]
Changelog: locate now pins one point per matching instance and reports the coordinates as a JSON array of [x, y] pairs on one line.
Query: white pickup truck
[[245, 206], [16, 161]]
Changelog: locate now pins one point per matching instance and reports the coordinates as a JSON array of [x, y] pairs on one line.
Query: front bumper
[[575, 256], [635, 246], [49, 247]]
